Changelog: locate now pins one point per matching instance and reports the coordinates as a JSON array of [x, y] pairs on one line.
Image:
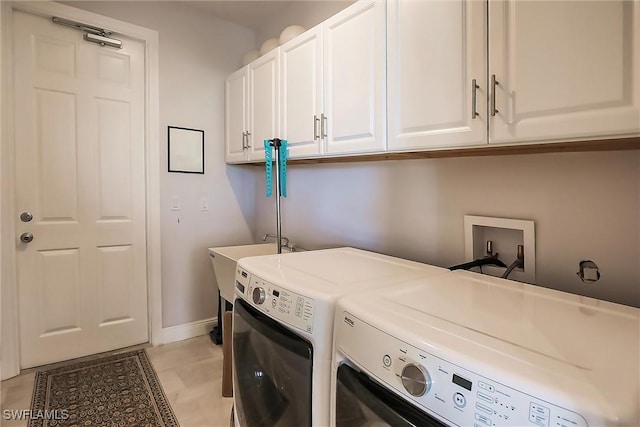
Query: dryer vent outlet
[[588, 272]]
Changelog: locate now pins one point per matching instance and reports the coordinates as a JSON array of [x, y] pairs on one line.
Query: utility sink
[[224, 260]]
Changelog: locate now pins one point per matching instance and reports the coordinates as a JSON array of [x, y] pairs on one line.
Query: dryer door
[[272, 371], [360, 401]]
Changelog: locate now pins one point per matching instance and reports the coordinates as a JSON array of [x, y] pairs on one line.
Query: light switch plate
[[175, 203], [204, 204]]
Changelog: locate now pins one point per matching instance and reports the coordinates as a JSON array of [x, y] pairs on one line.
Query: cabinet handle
[[315, 127], [323, 127], [474, 89], [248, 135], [494, 83], [244, 143]]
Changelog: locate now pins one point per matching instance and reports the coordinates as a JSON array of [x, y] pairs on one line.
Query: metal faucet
[[284, 239], [519, 262]]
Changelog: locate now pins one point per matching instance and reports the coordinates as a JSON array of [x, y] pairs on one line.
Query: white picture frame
[[186, 150]]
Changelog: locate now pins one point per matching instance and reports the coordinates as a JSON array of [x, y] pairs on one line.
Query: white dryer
[[471, 350], [283, 329]]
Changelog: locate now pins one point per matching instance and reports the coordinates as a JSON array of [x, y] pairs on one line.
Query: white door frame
[[9, 334]]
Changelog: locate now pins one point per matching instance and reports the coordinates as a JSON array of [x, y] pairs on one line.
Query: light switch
[[175, 203], [204, 204]]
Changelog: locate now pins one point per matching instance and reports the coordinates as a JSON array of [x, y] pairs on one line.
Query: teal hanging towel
[[268, 159], [281, 146], [284, 154]]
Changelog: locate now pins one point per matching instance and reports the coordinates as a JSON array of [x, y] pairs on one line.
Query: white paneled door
[[80, 172]]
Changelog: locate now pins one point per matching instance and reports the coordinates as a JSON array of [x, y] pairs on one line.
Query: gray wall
[[585, 206], [197, 52]]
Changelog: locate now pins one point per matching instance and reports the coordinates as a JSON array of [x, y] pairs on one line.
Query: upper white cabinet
[[437, 82], [355, 80], [557, 71], [301, 93], [564, 69], [417, 75], [251, 109], [236, 123], [333, 84], [263, 103]]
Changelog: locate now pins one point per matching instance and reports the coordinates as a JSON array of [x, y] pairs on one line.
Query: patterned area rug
[[114, 391]]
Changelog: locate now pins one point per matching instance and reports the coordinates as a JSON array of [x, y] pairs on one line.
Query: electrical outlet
[[204, 204]]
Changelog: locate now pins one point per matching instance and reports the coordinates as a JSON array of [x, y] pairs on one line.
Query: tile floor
[[191, 375]]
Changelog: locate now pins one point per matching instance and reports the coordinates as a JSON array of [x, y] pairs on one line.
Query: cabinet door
[[355, 79], [436, 49], [565, 69], [236, 108], [301, 93], [263, 103]]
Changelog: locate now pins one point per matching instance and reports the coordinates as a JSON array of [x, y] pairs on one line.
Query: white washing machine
[[471, 350], [283, 329]]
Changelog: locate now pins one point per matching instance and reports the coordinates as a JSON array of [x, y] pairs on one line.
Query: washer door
[[272, 371], [362, 402]]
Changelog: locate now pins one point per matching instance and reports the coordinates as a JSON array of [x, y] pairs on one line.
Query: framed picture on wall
[[186, 150]]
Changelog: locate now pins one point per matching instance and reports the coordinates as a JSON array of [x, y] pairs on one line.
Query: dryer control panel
[[287, 307], [449, 391]]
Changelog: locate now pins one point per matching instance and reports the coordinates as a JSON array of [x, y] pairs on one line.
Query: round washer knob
[[416, 380], [259, 295]]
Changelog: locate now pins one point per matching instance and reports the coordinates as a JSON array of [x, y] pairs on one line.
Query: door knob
[[26, 216], [26, 237]]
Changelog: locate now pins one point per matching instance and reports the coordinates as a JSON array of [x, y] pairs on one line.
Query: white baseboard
[[188, 330]]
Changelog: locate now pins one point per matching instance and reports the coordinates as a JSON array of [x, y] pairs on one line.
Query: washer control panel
[[443, 388], [287, 307]]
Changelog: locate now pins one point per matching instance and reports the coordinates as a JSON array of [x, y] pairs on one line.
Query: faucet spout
[[283, 242]]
